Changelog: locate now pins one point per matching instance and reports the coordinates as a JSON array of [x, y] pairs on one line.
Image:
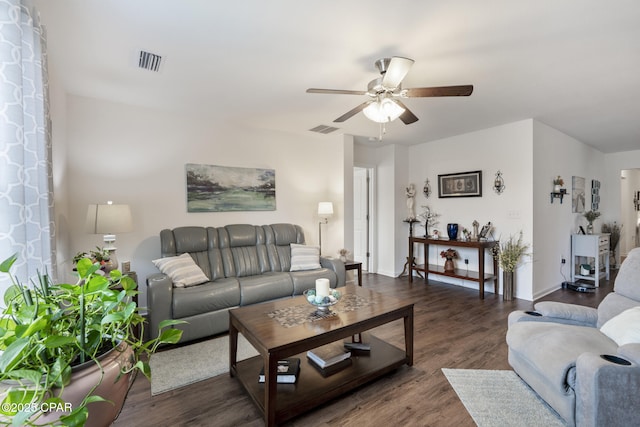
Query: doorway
[[629, 210], [363, 202]]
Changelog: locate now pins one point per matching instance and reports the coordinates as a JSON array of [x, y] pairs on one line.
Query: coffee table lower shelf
[[312, 389]]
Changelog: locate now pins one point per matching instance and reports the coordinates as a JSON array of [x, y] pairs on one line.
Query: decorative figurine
[[474, 236], [411, 195]]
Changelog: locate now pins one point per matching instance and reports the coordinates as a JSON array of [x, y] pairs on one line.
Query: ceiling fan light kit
[[383, 111], [384, 107]]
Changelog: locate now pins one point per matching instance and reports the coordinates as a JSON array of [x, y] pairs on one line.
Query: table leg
[[495, 274], [481, 271], [233, 348], [408, 337], [359, 275], [409, 258], [270, 389]]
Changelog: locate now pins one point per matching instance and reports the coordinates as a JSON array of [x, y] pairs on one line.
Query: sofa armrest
[[606, 392], [571, 314], [337, 266], [159, 301]]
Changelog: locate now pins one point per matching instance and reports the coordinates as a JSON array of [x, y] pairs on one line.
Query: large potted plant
[[69, 350]]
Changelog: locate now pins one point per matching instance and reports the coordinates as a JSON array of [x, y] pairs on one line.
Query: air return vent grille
[[149, 61], [324, 129]]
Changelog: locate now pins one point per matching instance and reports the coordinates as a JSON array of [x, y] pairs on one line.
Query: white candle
[[323, 287]]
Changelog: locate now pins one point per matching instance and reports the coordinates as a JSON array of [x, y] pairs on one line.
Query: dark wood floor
[[453, 329]]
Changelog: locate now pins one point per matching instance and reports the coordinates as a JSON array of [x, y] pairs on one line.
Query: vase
[[452, 231], [448, 266], [590, 228], [507, 285], [557, 188]]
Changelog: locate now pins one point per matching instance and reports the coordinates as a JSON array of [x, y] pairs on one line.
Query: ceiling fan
[[385, 91]]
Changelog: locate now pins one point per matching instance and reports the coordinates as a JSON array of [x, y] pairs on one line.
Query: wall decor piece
[[213, 188], [595, 194], [463, 184], [578, 199]]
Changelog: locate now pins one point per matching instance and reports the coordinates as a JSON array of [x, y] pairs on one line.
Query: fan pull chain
[[383, 130]]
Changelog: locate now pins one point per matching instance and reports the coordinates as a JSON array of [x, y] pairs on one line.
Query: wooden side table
[[354, 265]]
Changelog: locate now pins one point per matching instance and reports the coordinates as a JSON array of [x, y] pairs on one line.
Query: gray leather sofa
[[558, 350], [245, 264]]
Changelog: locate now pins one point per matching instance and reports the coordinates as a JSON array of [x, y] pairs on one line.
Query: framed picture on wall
[[462, 184]]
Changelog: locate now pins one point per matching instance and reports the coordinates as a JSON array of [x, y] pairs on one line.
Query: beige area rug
[[179, 367], [500, 399]]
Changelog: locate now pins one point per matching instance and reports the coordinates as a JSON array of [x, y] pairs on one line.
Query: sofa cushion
[[624, 328], [626, 283], [204, 298], [612, 305], [551, 349], [304, 257], [265, 287], [303, 280], [182, 270]]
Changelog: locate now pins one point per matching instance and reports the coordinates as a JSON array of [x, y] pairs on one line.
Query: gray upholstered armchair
[[584, 362]]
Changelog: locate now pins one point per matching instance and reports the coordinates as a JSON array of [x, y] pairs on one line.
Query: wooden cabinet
[[479, 276], [591, 249]]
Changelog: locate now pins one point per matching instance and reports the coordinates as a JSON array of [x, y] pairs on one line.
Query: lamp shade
[[109, 219], [383, 111], [325, 208]]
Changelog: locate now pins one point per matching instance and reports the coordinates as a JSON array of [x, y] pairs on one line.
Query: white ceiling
[[572, 64]]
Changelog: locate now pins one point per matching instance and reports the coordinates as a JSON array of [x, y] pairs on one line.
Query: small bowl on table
[[322, 303]]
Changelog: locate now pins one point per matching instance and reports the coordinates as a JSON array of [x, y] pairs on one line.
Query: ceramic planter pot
[[86, 376]]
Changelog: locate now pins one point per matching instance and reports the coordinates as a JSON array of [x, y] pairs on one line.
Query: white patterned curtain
[[26, 195]]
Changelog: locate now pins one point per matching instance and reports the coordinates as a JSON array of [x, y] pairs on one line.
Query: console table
[[590, 247], [459, 273]]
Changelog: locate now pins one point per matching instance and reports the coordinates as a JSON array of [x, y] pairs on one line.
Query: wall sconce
[[636, 201], [426, 190], [107, 220], [498, 183], [325, 210]]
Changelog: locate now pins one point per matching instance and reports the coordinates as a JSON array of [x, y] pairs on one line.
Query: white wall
[[137, 156], [529, 154], [558, 154], [506, 148]]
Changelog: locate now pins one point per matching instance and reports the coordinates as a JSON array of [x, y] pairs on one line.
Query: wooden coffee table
[[279, 402]]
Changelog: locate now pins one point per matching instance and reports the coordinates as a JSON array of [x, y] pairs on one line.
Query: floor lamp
[[325, 210], [107, 220]]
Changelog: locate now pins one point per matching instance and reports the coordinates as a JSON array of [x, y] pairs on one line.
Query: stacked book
[[288, 371], [329, 358]]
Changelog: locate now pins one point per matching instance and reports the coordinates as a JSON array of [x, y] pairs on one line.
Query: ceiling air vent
[[149, 61], [324, 129]]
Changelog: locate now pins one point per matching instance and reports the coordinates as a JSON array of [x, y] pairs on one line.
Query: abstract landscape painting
[[213, 188]]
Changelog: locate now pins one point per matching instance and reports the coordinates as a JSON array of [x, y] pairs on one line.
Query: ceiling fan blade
[[397, 70], [337, 91], [416, 92], [352, 112], [407, 117]]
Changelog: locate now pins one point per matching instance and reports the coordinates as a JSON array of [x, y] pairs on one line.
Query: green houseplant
[[46, 329], [509, 254]]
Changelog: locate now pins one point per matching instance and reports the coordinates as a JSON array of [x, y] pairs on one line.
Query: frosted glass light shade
[[383, 111]]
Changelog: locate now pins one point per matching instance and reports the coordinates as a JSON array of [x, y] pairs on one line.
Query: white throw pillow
[[624, 328], [304, 257], [182, 269]]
